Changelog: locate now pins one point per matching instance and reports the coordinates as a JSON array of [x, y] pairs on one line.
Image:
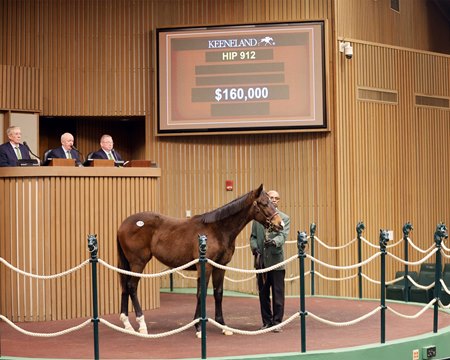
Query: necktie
[[110, 157], [18, 153], [69, 155]]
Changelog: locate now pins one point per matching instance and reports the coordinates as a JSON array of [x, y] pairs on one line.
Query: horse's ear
[[259, 190]]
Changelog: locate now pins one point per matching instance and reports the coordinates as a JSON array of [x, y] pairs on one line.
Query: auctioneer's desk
[[46, 216]]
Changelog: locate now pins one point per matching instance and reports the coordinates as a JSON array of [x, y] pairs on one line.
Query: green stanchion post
[[359, 229], [93, 249], [302, 241], [439, 235], [312, 232], [384, 238], [202, 250], [406, 229]]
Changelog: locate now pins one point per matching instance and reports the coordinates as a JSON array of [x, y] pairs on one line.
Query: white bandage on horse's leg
[[142, 325], [227, 332], [126, 322]]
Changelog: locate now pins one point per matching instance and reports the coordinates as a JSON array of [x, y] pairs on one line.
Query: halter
[[269, 226]]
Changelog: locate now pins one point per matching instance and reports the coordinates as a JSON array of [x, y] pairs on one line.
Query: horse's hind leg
[[124, 302], [218, 276], [132, 289]]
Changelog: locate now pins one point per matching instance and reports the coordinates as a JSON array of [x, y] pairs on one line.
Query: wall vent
[[395, 5], [377, 95], [433, 101]]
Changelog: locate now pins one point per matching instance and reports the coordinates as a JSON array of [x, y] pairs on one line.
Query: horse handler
[[268, 248]]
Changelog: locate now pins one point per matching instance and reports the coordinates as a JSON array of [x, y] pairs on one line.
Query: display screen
[[241, 78]]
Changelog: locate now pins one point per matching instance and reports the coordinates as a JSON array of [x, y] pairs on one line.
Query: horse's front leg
[[218, 276], [199, 298]]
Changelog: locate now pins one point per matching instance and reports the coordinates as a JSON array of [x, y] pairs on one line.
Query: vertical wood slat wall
[[97, 60], [392, 157], [44, 232]]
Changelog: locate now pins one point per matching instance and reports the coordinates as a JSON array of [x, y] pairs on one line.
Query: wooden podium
[[61, 162], [46, 214]]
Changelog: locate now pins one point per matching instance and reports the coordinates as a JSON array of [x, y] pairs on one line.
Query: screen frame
[[320, 124]]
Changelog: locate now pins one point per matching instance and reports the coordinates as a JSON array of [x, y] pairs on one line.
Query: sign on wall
[[245, 78]]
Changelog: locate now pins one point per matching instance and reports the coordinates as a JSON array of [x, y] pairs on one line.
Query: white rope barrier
[[446, 307], [444, 286], [414, 246], [334, 247], [131, 273], [226, 278], [242, 247], [239, 280], [255, 332], [346, 323], [379, 282], [414, 262], [394, 244], [292, 278], [445, 247], [423, 287], [425, 308], [54, 334], [369, 243], [185, 276], [44, 277], [335, 279], [149, 336], [370, 279], [251, 271], [348, 267]]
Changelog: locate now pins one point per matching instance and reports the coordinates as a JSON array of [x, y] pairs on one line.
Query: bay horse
[[174, 242]]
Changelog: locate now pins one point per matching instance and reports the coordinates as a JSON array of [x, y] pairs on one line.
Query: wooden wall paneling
[[374, 21]]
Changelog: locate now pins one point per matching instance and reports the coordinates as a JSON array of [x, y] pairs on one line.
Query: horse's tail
[[122, 264]]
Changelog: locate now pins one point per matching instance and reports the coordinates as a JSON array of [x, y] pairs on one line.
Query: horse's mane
[[226, 210]]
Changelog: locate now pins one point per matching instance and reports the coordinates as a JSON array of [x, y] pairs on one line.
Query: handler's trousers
[[271, 315]]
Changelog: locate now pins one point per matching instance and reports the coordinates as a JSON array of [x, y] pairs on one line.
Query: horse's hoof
[[227, 332], [126, 322], [198, 334]]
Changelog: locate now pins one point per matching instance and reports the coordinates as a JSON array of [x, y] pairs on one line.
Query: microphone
[[29, 150], [79, 152]]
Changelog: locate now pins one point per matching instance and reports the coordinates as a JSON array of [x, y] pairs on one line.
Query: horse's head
[[265, 211]]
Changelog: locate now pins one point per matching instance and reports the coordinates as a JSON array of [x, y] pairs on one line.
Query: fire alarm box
[[229, 185]]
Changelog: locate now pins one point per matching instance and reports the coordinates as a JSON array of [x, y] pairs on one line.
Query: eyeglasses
[[274, 198]]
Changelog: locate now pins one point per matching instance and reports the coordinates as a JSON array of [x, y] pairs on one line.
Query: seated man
[[13, 150], [106, 151], [66, 151]]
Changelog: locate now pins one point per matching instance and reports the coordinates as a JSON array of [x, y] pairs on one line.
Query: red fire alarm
[[229, 185]]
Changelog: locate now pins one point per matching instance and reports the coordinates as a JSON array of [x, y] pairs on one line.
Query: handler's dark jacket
[[273, 254]]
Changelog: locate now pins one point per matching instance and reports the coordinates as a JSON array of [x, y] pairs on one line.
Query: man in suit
[[66, 150], [106, 150], [13, 150], [267, 247]]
